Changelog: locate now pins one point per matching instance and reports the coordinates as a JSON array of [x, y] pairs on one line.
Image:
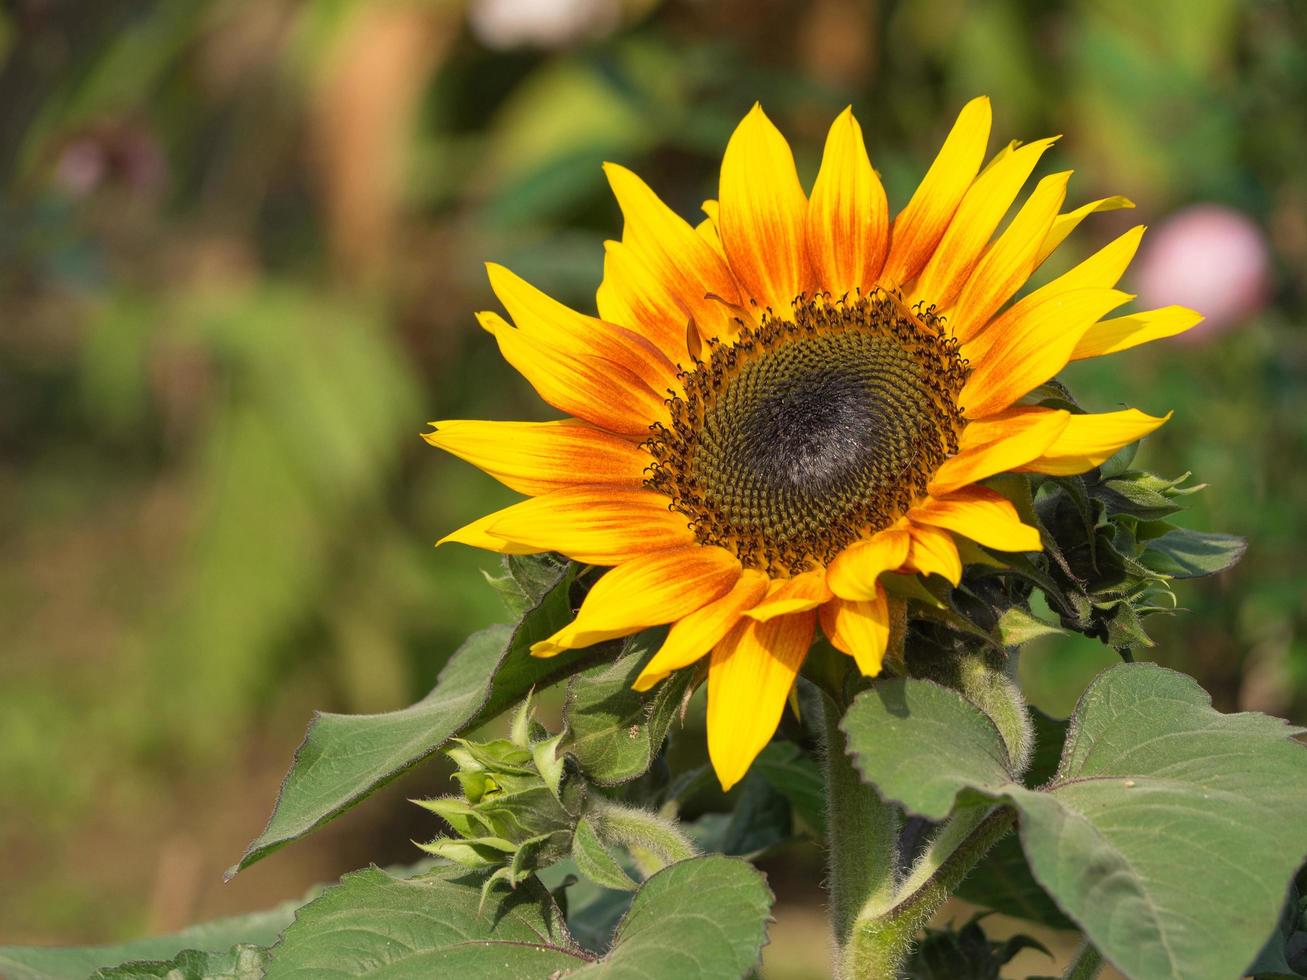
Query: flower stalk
[[876, 915]]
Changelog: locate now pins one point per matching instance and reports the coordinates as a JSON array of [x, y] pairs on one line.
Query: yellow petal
[[538, 457], [1007, 263], [919, 226], [848, 216], [1089, 440], [791, 595], [853, 573], [763, 210], [631, 295], [969, 232], [590, 388], [858, 628], [1124, 332], [749, 677], [1027, 345], [599, 525], [657, 588], [707, 228], [981, 515], [932, 552], [1022, 438], [476, 535], [1064, 224], [1103, 269], [673, 252], [543, 318], [694, 635]]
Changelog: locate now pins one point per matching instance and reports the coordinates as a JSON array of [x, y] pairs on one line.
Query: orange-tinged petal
[[1027, 345], [749, 677], [538, 457], [1089, 440], [694, 635], [981, 515], [858, 628], [674, 253], [599, 525], [1064, 224], [1123, 332], [853, 573], [657, 588], [932, 552], [791, 595], [977, 216], [1007, 263], [541, 317], [848, 216], [919, 226], [1009, 422], [762, 214], [631, 295], [1024, 437], [590, 388]]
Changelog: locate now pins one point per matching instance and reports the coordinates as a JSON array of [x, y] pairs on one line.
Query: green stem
[[1086, 965], [862, 840], [883, 936]]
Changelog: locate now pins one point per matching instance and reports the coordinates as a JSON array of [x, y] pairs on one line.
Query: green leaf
[[759, 820], [1169, 832], [701, 919], [919, 743], [797, 777], [1182, 553], [595, 861], [238, 963], [1017, 627], [373, 924], [613, 732], [344, 758], [217, 937], [965, 954], [525, 579], [1003, 882]]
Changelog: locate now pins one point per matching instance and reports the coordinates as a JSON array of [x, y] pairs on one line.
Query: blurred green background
[[240, 249]]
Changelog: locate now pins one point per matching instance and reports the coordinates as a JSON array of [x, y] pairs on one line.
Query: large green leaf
[[373, 924], [344, 758], [700, 919], [239, 963], [217, 938], [614, 732], [1169, 832]]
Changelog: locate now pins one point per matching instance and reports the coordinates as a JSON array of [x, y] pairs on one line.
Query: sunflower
[[777, 407]]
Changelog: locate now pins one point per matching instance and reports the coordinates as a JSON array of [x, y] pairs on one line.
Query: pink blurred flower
[[1211, 258]]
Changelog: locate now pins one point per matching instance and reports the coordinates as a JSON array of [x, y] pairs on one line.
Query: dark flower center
[[808, 433]]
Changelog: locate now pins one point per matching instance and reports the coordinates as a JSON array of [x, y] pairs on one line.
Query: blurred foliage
[[240, 247]]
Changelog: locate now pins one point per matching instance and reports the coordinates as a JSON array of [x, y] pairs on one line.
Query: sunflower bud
[[519, 806]]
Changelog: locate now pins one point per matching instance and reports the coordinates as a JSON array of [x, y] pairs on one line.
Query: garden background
[[241, 243]]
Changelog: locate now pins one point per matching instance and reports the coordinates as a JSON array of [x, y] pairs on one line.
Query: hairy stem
[[862, 841], [883, 936]]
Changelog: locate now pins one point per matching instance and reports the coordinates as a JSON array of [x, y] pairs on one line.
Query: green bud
[[519, 804]]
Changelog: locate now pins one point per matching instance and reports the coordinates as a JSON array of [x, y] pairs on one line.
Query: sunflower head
[[780, 405], [811, 430]]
